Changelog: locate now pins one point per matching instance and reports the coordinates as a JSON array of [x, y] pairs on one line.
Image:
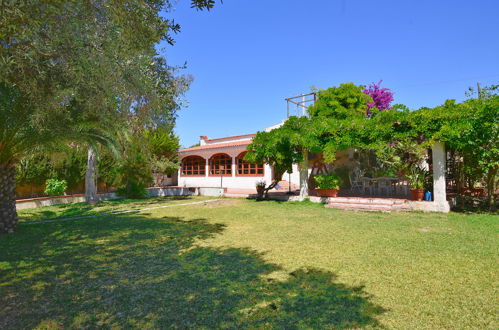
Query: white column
[[233, 167], [439, 186], [206, 168], [304, 176]]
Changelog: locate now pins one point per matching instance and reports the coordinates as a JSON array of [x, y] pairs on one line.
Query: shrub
[[327, 181], [133, 189], [417, 177], [135, 172], [260, 184], [55, 187]]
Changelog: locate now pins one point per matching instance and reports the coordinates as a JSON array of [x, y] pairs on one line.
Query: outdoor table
[[372, 184]]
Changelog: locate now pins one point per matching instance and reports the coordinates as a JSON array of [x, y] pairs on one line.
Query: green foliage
[[65, 64], [133, 189], [108, 169], [341, 113], [80, 71], [163, 146], [486, 92], [327, 181], [55, 187], [417, 177], [471, 129], [161, 142], [152, 150], [34, 169], [70, 165], [67, 163], [284, 146], [399, 138], [341, 102], [134, 168], [402, 155]]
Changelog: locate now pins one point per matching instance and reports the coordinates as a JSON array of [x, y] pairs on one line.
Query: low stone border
[[424, 206], [30, 203]]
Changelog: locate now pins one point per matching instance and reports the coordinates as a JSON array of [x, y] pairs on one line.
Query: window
[[221, 165], [245, 168], [193, 166]]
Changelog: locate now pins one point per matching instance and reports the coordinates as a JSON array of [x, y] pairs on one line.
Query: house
[[220, 163]]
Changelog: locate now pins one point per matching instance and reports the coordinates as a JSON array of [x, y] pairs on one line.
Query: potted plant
[[260, 188], [327, 185], [416, 177]]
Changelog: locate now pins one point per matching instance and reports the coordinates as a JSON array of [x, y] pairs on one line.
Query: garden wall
[[30, 203], [25, 191], [79, 198]]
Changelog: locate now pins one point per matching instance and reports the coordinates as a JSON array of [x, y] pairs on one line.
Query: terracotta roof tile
[[229, 137], [218, 145]]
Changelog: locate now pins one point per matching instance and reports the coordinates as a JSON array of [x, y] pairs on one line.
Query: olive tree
[[73, 66]]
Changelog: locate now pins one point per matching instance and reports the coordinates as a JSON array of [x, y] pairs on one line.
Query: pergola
[[439, 203]]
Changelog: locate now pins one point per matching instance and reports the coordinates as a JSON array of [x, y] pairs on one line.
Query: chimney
[[202, 140]]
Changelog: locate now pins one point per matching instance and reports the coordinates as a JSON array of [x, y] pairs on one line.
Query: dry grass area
[[246, 264]]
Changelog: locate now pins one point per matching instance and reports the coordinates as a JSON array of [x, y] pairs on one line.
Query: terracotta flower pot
[[478, 192], [327, 192], [417, 194]]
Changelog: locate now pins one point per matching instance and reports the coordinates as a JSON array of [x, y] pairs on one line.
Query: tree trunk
[[267, 189], [304, 176], [8, 214], [91, 178], [491, 188]]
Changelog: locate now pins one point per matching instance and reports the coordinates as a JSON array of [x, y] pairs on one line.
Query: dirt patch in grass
[[222, 202], [428, 229]]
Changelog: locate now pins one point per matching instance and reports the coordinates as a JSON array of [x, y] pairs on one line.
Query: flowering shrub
[[382, 97]]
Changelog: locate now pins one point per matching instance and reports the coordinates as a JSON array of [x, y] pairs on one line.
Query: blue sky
[[246, 56]]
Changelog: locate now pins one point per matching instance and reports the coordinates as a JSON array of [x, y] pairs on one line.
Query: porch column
[[206, 168], [439, 186], [233, 167], [304, 176]]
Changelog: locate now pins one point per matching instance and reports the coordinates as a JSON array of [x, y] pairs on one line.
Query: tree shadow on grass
[[133, 271], [83, 209]]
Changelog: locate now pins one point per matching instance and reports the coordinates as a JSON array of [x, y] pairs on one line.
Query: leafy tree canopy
[[341, 102]]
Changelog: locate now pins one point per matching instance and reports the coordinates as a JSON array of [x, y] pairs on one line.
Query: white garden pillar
[[439, 186], [304, 176]]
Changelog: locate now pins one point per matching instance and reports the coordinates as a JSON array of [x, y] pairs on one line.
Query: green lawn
[[239, 263], [105, 207]]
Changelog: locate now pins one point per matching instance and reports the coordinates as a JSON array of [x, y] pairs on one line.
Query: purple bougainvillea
[[382, 97]]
